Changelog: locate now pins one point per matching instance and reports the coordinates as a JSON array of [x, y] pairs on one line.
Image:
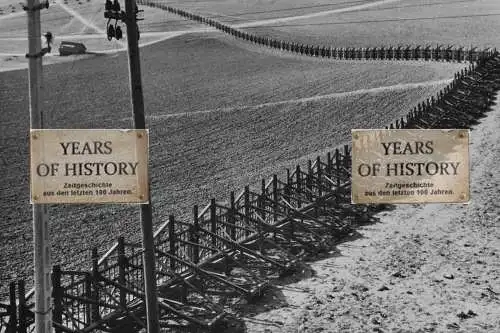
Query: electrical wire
[[376, 21], [238, 20], [372, 9], [294, 8]]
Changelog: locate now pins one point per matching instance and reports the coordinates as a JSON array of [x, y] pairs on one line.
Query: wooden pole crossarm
[[37, 7]]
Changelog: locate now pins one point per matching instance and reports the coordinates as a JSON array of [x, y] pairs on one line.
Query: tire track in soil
[[396, 87]]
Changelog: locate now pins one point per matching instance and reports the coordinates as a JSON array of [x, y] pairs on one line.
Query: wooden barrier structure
[[229, 251]]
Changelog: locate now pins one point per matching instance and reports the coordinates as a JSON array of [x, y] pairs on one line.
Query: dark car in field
[[68, 48]]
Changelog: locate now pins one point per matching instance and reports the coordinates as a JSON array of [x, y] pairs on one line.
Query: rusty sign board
[[89, 166], [410, 166]]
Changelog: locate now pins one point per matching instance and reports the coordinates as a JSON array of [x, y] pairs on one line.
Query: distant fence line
[[234, 247], [428, 53]]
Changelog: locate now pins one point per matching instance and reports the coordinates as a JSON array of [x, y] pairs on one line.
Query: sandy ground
[[419, 268]]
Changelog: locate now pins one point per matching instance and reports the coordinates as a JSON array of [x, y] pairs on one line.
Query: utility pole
[[41, 240], [140, 123]]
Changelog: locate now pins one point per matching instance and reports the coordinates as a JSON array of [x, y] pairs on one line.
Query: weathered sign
[[410, 166], [89, 166]]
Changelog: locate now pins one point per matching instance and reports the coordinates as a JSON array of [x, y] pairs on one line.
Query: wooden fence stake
[[194, 237], [232, 219], [57, 295], [347, 157], [247, 210], [12, 324], [309, 179], [121, 269], [275, 197], [95, 283], [337, 166], [88, 294], [171, 242], [263, 201], [319, 173], [329, 162], [299, 184], [213, 221], [23, 313]]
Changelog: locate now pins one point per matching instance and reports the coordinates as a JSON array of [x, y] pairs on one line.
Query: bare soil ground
[[215, 126], [418, 268]]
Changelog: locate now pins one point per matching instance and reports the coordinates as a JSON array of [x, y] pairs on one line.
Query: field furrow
[[215, 126]]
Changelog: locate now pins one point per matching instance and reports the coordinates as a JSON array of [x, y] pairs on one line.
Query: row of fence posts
[[93, 304], [424, 107], [91, 296], [438, 53]]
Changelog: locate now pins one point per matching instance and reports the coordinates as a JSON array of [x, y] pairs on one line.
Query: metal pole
[[146, 214], [42, 280]]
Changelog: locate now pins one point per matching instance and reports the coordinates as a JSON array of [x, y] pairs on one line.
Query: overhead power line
[[375, 21], [373, 9]]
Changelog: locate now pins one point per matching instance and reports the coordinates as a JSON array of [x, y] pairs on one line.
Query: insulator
[[111, 32], [118, 33], [108, 6]]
